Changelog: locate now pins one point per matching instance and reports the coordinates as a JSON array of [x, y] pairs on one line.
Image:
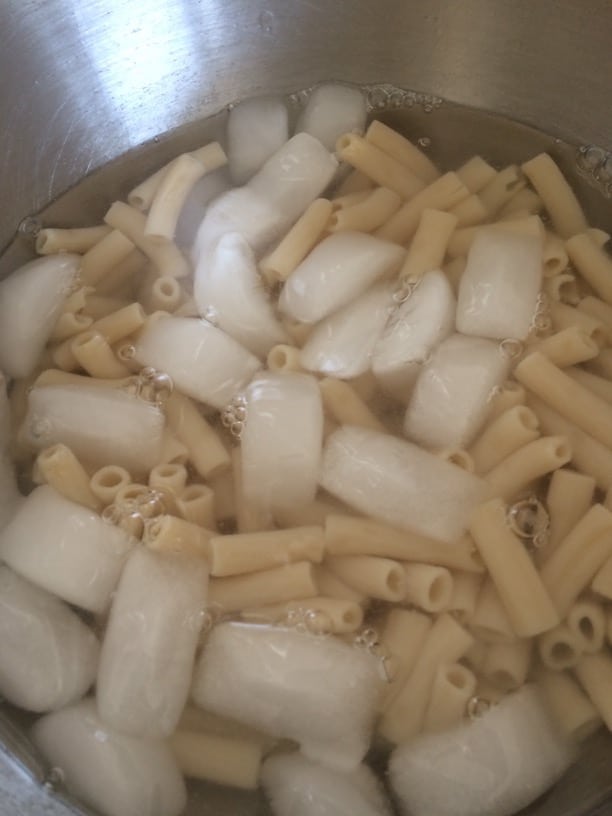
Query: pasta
[[277, 463], [578, 557], [558, 197], [510, 431], [446, 642], [59, 468], [595, 675], [569, 496], [375, 577], [521, 590], [378, 165], [250, 552], [452, 688], [528, 463], [400, 148], [570, 399], [573, 711], [442, 194]]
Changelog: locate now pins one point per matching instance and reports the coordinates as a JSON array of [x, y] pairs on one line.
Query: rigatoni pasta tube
[[602, 582], [575, 562], [568, 347], [107, 481], [166, 256], [164, 294], [476, 173], [348, 535], [520, 588], [286, 583], [96, 357], [173, 189], [564, 317], [501, 189], [171, 534], [572, 710], [446, 642], [400, 148], [378, 165], [297, 243], [587, 620], [505, 434], [249, 552], [375, 577], [442, 194], [559, 648], [569, 398], [595, 675], [104, 256], [599, 310], [452, 687], [76, 239], [563, 288], [459, 457], [346, 406], [367, 215], [569, 496], [196, 504], [528, 463], [322, 615], [554, 255], [506, 665], [490, 621], [428, 587], [592, 263], [557, 195], [402, 635], [170, 476], [307, 515], [428, 246], [112, 327], [59, 467], [283, 357], [216, 758], [206, 452]]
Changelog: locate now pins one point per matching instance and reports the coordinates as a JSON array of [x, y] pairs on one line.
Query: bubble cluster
[[389, 97], [149, 384], [595, 165], [234, 415]]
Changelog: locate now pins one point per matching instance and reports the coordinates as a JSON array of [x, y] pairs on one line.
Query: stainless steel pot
[[84, 81]]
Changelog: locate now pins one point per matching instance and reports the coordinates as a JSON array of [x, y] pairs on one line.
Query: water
[[450, 134]]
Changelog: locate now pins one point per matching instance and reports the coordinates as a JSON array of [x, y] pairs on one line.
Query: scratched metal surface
[[84, 81]]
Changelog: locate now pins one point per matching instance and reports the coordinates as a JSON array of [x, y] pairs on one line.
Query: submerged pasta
[[308, 415]]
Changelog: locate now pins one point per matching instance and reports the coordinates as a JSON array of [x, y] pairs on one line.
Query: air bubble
[[529, 520], [30, 226], [54, 779], [511, 348], [40, 428], [424, 142], [266, 21], [477, 707], [126, 353], [211, 315]]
